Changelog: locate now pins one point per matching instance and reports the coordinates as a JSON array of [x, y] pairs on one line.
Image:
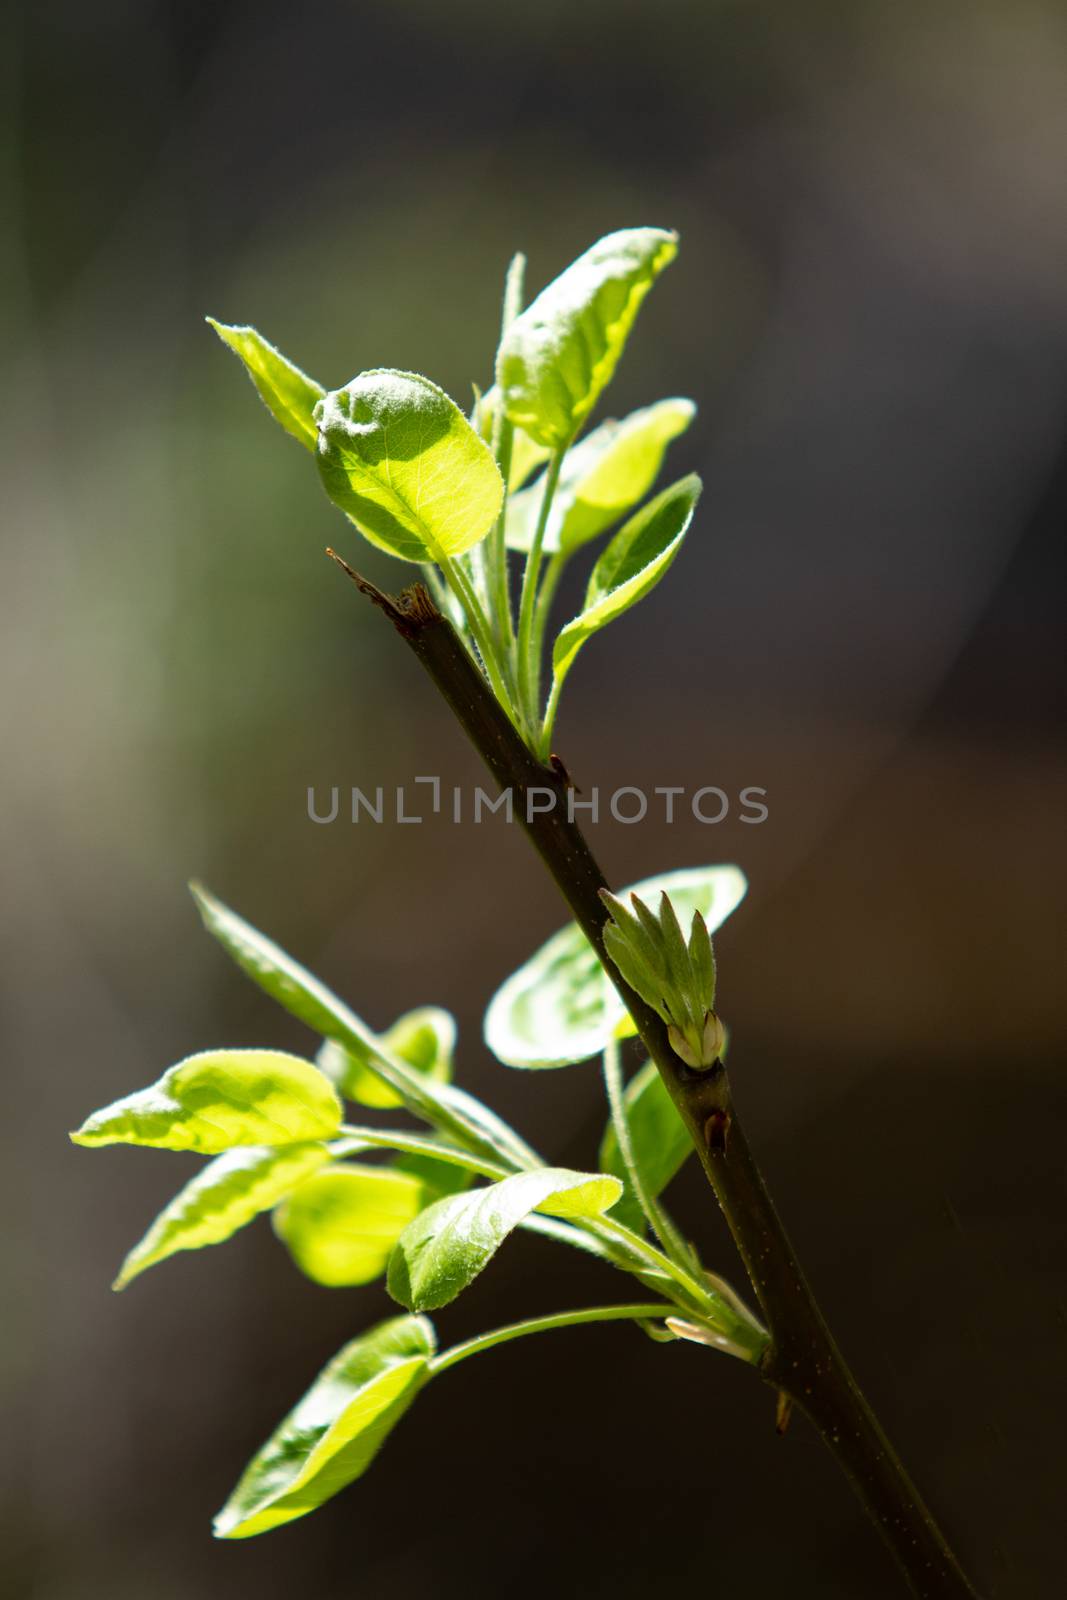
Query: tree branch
[[803, 1361]]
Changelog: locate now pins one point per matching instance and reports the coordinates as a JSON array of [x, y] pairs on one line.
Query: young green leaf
[[660, 1143], [559, 1007], [341, 1224], [442, 1105], [401, 459], [632, 565], [276, 973], [559, 355], [333, 1434], [424, 1038], [223, 1196], [702, 956], [445, 1248], [602, 477], [221, 1098], [288, 394], [633, 945]]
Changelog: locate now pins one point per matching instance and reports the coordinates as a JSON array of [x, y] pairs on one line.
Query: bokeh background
[[869, 308]]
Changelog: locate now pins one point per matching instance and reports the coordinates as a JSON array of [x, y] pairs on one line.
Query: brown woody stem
[[803, 1362]]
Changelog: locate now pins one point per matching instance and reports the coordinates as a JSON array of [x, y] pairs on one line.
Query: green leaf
[[558, 356], [660, 1143], [284, 979], [336, 1430], [221, 1098], [424, 1038], [442, 1105], [560, 1006], [401, 459], [223, 1196], [632, 565], [602, 477], [288, 394], [445, 1248], [341, 1224]]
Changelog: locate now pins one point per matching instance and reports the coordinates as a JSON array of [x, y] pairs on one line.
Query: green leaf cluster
[[428, 1204], [422, 482], [426, 1208]]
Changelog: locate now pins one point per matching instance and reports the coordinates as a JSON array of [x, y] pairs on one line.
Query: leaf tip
[[203, 899], [225, 330]]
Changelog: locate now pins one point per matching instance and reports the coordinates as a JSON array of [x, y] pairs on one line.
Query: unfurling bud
[[676, 979], [702, 1053]]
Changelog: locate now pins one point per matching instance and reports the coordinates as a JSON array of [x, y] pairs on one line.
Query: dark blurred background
[[869, 308]]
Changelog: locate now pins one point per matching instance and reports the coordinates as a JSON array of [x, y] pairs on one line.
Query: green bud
[[714, 1038], [676, 979]]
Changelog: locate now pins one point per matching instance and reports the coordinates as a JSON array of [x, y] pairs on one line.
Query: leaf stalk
[[528, 652], [560, 1319]]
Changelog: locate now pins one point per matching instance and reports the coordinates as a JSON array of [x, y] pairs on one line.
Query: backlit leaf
[[341, 1224], [222, 1197], [401, 459], [289, 394], [560, 353], [660, 1143], [221, 1098], [632, 564], [331, 1437], [447, 1246], [560, 1006], [602, 478], [267, 964]]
